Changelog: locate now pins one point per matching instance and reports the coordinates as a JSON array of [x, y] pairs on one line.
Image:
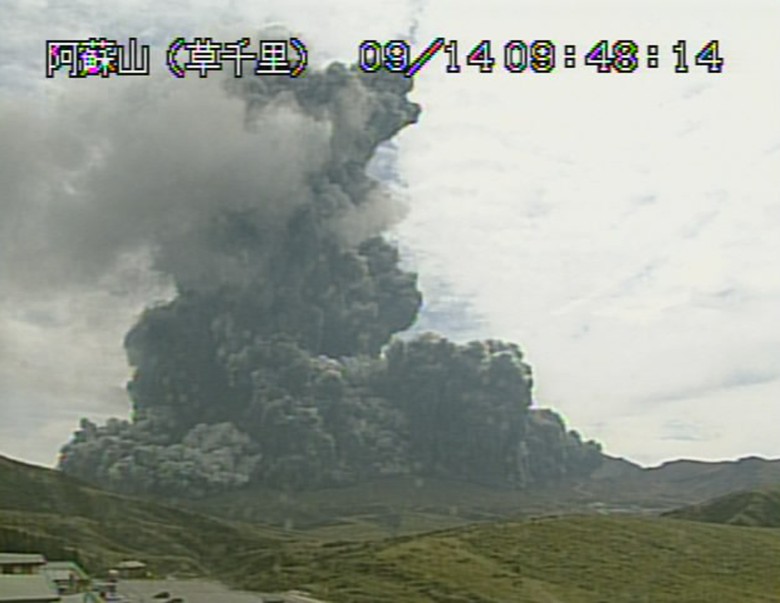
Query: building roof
[[21, 559], [26, 589], [58, 574], [131, 565], [54, 569], [62, 565]]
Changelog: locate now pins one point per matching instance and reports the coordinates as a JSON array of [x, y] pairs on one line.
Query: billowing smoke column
[[268, 366]]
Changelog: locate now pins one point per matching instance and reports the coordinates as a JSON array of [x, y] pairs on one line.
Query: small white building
[[31, 588], [16, 564], [132, 569], [22, 579], [66, 576]]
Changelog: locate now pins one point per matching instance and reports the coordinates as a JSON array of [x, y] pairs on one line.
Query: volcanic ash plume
[[274, 363]]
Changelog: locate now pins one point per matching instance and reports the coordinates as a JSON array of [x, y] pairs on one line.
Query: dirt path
[[537, 590]]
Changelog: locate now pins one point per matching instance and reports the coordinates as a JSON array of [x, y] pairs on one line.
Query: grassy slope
[[573, 559], [367, 509], [43, 509], [759, 508]]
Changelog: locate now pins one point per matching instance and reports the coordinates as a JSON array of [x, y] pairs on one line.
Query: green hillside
[[45, 511], [573, 559], [760, 508], [402, 504], [453, 502]]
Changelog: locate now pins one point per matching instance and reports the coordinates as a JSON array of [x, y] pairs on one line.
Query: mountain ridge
[[752, 508], [579, 555]]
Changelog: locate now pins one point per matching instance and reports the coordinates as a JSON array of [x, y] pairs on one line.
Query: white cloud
[[622, 228]]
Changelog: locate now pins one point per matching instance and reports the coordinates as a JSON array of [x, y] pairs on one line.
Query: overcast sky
[[621, 228]]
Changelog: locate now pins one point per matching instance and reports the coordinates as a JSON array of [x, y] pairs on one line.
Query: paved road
[[191, 591], [198, 591], [296, 597]]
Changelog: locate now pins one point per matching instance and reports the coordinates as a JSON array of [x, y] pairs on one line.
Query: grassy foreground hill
[[585, 559], [571, 558], [45, 511], [758, 508]]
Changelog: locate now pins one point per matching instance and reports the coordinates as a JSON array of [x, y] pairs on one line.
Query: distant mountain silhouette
[[677, 483]]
